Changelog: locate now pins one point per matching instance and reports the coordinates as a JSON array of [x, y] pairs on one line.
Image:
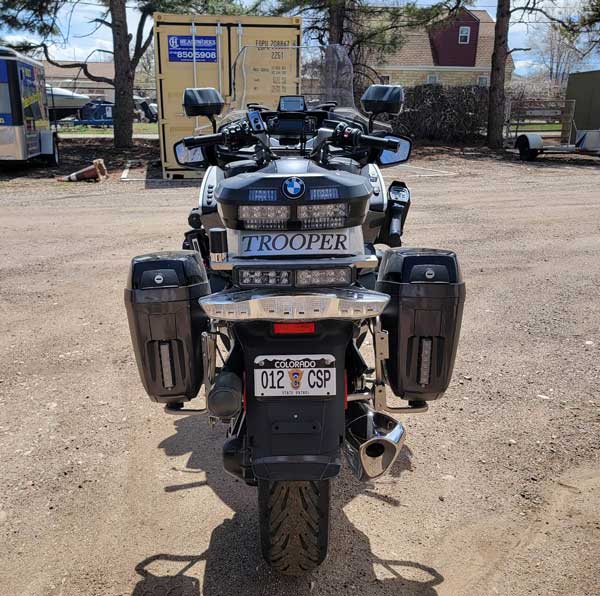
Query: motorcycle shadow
[[233, 564]]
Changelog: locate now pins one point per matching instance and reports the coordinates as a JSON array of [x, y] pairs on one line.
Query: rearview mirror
[[383, 99], [192, 158], [401, 155], [204, 101]]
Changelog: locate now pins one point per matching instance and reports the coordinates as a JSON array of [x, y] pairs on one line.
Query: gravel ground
[[496, 492]]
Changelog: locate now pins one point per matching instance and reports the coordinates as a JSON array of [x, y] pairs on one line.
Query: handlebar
[[342, 136], [379, 142], [201, 140], [346, 136], [395, 229]]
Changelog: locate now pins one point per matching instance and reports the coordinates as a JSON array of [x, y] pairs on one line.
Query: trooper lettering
[[280, 242], [295, 242], [326, 242], [264, 243], [312, 238], [341, 242]]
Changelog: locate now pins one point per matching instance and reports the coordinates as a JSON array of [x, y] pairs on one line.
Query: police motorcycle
[[293, 262]]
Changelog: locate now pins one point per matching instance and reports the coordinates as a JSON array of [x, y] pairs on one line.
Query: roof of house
[[100, 69], [483, 16], [485, 45], [417, 51]]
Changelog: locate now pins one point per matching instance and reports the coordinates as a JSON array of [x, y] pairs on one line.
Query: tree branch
[[139, 36], [102, 22], [519, 50], [82, 65], [137, 56]]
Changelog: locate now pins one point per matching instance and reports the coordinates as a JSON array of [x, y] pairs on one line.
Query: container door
[[268, 65], [188, 55]]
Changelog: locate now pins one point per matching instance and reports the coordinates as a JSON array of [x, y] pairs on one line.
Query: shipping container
[[203, 51]]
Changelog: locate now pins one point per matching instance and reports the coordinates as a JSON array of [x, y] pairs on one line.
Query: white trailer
[[25, 130], [530, 144], [538, 113]]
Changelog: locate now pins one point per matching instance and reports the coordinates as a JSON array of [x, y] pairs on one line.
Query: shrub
[[438, 113]]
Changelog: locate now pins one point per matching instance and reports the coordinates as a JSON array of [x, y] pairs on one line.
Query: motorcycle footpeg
[[178, 409]]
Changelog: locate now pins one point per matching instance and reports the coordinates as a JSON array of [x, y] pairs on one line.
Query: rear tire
[[294, 524]]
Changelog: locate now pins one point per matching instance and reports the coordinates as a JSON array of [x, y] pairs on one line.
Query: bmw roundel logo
[[293, 188]]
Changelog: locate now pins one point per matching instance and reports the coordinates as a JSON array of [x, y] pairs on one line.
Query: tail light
[[293, 328]]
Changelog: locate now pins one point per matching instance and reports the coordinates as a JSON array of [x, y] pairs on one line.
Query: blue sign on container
[[181, 48]]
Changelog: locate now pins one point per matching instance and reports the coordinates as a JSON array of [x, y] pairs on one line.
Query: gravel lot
[[496, 492]]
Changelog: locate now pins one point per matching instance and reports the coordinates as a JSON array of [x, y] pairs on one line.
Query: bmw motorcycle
[[293, 261]]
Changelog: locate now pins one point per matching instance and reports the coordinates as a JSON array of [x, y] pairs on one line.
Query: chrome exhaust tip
[[373, 441]]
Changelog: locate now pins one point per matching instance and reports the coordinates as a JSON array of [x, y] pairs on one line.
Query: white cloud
[[525, 67], [15, 38], [80, 36]]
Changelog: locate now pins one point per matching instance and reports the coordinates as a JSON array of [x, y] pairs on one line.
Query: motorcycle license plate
[[294, 375]]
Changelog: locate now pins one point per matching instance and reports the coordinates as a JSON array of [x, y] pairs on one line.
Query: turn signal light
[[293, 328]]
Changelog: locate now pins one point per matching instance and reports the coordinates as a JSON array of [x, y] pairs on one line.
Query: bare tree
[[557, 52]]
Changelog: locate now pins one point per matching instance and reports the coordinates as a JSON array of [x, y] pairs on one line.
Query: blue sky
[[76, 19]]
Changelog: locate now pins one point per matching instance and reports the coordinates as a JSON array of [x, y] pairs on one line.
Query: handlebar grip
[[395, 230], [200, 140], [379, 143]]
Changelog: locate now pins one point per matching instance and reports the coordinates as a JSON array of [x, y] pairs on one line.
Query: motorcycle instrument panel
[[294, 375]]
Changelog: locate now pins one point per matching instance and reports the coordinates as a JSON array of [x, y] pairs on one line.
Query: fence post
[[566, 120]]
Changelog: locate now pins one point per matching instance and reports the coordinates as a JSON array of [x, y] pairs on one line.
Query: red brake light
[[293, 328]]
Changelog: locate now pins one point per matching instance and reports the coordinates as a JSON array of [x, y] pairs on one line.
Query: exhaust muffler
[[373, 441]]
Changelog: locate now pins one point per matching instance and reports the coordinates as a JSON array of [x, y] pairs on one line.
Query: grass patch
[[540, 127], [138, 128]]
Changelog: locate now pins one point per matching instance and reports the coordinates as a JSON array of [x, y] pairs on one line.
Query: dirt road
[[497, 491]]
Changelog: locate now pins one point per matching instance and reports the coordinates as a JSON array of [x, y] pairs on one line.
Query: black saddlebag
[[166, 322], [422, 319]]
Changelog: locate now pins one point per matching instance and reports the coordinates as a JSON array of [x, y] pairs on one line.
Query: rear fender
[[295, 437]]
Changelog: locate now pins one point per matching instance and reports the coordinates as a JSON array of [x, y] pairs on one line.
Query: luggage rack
[[382, 352]]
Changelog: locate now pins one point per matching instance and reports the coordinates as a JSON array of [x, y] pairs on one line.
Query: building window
[[483, 81], [433, 79], [384, 79], [464, 35]]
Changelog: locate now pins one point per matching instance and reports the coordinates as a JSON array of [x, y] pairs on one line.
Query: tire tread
[[294, 524]]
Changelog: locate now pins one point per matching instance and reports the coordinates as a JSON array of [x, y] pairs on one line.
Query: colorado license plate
[[294, 375]]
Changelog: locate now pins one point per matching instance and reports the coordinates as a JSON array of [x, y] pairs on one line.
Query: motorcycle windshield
[[321, 74]]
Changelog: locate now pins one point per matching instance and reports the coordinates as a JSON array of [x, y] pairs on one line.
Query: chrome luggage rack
[[307, 305]]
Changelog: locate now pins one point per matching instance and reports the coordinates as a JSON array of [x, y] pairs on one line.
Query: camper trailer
[[24, 124]]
